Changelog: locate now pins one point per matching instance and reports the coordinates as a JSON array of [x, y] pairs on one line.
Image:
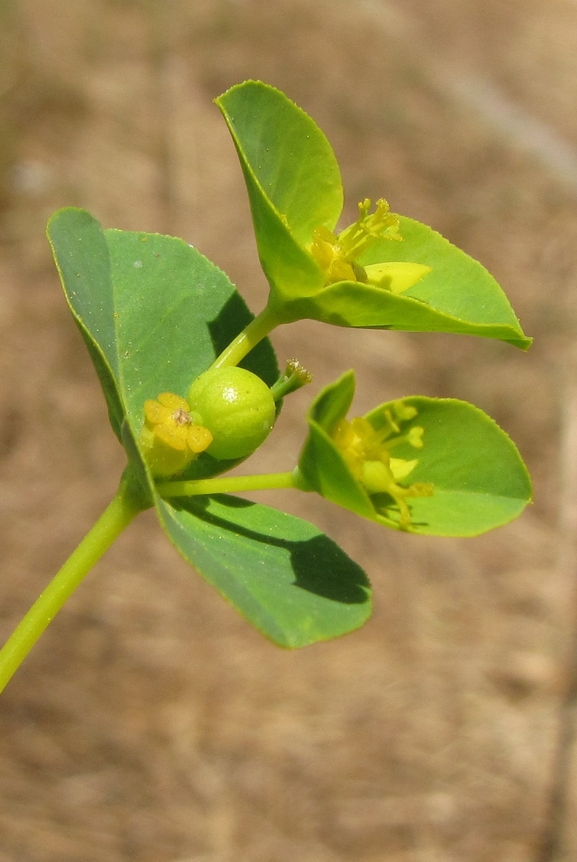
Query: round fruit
[[236, 406]]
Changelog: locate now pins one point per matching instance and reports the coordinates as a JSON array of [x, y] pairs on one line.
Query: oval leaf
[[321, 465], [281, 573], [287, 157], [83, 263], [460, 295], [293, 182], [479, 479]]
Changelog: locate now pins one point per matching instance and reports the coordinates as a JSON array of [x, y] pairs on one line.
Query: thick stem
[[231, 484], [256, 330], [125, 505]]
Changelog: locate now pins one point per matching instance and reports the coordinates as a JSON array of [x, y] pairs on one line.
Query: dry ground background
[[150, 723]]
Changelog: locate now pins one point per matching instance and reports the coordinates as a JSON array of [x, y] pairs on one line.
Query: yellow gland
[[337, 255], [171, 437], [367, 453]]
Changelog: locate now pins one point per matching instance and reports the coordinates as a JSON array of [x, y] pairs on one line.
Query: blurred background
[[151, 723]]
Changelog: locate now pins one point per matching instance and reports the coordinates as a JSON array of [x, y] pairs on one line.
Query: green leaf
[[81, 256], [360, 305], [293, 182], [287, 157], [321, 465], [154, 312], [282, 574], [460, 295], [479, 478]]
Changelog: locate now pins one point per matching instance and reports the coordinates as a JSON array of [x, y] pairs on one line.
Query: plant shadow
[[320, 566]]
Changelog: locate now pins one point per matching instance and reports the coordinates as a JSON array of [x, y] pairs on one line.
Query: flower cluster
[[171, 437], [337, 255], [366, 449]]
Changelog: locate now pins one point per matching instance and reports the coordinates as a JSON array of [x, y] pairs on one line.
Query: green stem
[[125, 505], [256, 330], [231, 484]]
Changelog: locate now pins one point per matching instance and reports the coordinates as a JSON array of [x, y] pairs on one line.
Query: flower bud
[[236, 406]]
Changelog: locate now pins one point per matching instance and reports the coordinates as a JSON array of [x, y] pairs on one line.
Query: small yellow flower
[[367, 451], [171, 438], [337, 255]]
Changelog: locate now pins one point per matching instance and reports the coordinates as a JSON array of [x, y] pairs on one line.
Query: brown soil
[[151, 723]]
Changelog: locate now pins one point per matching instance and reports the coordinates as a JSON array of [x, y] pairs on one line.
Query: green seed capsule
[[236, 406]]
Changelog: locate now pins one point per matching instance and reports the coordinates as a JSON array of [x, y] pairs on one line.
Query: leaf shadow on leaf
[[319, 565], [230, 321]]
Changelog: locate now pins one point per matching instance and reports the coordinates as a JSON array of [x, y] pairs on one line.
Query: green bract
[[236, 406], [425, 465], [296, 196]]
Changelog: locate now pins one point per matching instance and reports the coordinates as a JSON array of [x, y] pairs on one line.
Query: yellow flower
[[337, 255], [367, 452], [171, 438]]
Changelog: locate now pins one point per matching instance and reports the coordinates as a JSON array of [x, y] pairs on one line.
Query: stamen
[[336, 255], [181, 417], [366, 450]]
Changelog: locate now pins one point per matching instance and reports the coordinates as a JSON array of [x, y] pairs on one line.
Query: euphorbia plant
[[193, 387]]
